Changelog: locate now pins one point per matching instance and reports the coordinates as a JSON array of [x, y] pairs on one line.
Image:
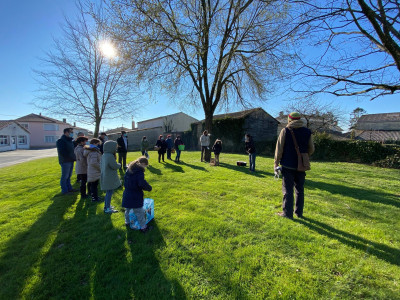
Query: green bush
[[353, 151], [392, 161]]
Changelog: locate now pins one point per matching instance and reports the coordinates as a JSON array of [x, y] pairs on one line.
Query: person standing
[[103, 138], [170, 145], [162, 148], [81, 164], [217, 148], [122, 148], [251, 150], [178, 141], [66, 158], [205, 144], [144, 146], [109, 179], [93, 156], [286, 155]]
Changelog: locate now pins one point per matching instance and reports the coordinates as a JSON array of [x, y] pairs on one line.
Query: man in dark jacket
[[286, 155], [122, 149], [66, 158], [103, 138]]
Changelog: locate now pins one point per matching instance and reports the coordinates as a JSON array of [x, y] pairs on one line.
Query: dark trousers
[[159, 156], [203, 152], [93, 190], [169, 153], [122, 158], [83, 178], [144, 153], [293, 179], [178, 155]]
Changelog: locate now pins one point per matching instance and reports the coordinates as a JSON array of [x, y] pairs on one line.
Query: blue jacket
[[170, 143], [134, 186], [289, 156], [65, 149]]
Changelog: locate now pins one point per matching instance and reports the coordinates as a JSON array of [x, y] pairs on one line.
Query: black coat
[[177, 143], [250, 147], [162, 144], [134, 184], [217, 148], [65, 149], [121, 145]]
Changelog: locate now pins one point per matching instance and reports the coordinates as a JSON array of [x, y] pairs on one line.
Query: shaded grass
[[215, 235]]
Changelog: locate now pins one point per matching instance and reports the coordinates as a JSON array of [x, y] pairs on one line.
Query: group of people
[[96, 162]]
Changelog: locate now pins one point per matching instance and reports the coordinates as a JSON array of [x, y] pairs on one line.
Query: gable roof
[[162, 117], [378, 135], [5, 123], [386, 117], [39, 118], [240, 114]]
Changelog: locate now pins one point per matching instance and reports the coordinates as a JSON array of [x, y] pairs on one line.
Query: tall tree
[[355, 115], [355, 49], [79, 80], [212, 52]]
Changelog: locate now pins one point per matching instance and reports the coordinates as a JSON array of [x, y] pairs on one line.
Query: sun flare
[[107, 49]]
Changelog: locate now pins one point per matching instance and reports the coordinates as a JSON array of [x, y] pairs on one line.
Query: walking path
[[9, 158]]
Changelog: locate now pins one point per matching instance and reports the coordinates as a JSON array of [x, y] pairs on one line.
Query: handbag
[[303, 160]]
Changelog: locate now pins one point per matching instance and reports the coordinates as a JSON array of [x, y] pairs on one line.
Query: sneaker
[[110, 210]]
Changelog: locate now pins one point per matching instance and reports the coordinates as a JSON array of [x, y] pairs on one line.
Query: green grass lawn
[[215, 235]]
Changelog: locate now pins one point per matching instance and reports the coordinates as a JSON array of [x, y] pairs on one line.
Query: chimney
[[64, 120], [74, 124], [133, 124], [40, 114]]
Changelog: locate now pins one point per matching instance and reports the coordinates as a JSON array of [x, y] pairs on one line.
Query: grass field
[[215, 235]]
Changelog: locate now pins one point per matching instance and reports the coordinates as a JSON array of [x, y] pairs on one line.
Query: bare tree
[[355, 115], [355, 49], [215, 53], [318, 116], [77, 79]]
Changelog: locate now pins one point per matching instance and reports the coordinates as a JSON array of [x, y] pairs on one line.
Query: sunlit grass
[[215, 235]]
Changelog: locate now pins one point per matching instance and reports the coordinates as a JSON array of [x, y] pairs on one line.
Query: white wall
[[179, 121], [14, 130]]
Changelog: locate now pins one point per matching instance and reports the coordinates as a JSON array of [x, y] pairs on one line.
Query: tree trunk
[[96, 128]]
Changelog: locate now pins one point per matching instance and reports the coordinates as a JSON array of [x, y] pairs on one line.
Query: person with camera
[[293, 147]]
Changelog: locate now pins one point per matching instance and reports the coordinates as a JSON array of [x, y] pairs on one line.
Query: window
[[25, 125], [50, 139], [22, 140], [50, 127], [4, 140]]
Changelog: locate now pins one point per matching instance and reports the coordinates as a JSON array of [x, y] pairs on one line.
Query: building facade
[[178, 122], [13, 136]]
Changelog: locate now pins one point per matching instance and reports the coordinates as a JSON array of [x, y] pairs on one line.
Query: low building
[[378, 127], [45, 131], [178, 122], [13, 136]]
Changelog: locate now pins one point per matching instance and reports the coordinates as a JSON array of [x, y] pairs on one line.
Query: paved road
[[9, 158]]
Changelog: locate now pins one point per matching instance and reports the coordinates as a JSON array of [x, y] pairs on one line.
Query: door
[[13, 143]]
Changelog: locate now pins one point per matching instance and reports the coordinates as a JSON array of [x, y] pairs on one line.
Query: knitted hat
[[293, 116]]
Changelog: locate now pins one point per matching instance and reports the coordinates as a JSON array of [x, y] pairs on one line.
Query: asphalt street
[[9, 158]]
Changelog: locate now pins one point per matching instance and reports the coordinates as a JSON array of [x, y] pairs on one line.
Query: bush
[[353, 151], [392, 161]]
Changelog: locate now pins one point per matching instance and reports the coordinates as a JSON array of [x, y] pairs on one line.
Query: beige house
[[13, 136], [178, 122], [378, 127]]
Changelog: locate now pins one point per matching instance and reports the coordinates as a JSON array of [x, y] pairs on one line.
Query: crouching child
[[135, 184]]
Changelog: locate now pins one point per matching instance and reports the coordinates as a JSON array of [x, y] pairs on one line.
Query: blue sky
[[26, 31]]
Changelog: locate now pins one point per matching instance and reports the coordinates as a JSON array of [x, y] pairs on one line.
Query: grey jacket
[[109, 167], [81, 161], [93, 156]]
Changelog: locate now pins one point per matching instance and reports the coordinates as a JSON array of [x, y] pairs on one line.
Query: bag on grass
[[148, 208]]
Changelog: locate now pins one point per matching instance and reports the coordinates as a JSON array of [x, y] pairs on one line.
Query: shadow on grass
[[174, 167], [193, 166], [91, 258], [154, 170], [381, 251], [147, 280], [245, 170], [23, 251], [356, 193]]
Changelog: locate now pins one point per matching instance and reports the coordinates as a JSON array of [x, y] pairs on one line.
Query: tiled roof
[[387, 117], [39, 118], [379, 135], [5, 123]]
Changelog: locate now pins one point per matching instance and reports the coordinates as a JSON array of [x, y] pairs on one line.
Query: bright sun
[[107, 49]]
